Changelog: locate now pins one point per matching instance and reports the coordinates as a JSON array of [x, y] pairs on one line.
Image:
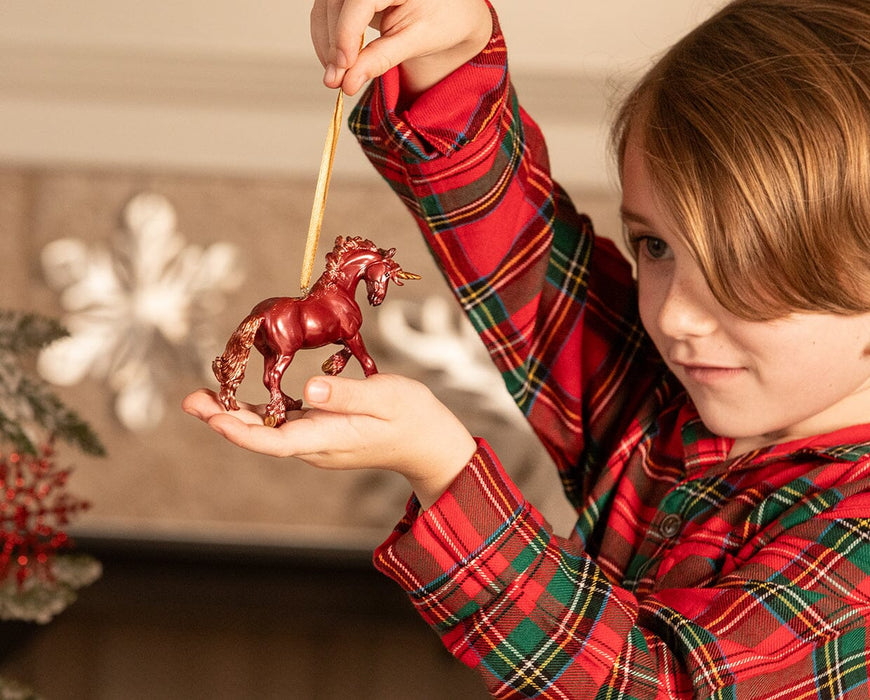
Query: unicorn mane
[[344, 246]]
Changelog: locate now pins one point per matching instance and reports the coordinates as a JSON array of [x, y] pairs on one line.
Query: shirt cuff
[[467, 547]]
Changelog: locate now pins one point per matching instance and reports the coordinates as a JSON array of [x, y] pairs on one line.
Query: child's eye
[[655, 248], [650, 247]]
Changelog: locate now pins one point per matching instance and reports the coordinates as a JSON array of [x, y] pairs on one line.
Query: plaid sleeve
[[554, 305], [508, 598]]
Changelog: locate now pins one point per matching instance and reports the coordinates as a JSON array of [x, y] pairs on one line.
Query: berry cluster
[[34, 510]]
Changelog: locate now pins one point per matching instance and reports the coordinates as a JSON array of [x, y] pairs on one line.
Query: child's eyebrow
[[634, 217]]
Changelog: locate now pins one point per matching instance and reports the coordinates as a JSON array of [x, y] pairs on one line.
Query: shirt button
[[670, 525]]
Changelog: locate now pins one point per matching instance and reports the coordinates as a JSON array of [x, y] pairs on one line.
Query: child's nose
[[687, 309]]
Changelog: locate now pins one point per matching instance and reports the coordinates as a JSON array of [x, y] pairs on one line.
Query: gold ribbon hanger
[[320, 191], [322, 187]]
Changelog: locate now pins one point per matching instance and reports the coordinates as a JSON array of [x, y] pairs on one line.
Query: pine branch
[[12, 433], [26, 332], [27, 405], [58, 420]]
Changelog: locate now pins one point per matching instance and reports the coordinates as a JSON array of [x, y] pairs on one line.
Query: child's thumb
[[338, 395], [317, 391]]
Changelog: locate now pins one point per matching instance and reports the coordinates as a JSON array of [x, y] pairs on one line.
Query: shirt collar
[[702, 449]]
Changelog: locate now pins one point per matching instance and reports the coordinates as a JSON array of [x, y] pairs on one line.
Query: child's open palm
[[383, 422]]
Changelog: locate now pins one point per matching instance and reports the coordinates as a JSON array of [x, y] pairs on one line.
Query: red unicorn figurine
[[280, 326]]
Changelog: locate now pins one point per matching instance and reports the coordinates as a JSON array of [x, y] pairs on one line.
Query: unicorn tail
[[229, 368]]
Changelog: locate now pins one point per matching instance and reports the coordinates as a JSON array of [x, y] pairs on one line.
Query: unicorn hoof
[[334, 364]]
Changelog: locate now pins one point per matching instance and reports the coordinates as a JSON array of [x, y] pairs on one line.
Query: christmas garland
[[39, 572]]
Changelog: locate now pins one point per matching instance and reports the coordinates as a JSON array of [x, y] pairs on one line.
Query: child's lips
[[712, 373]]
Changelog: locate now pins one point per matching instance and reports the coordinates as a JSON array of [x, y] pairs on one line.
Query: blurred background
[[157, 168]]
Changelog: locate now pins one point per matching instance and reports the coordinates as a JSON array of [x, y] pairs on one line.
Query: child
[[710, 424]]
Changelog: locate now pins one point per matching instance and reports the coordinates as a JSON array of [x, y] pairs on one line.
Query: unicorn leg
[[227, 396], [357, 347], [335, 363], [279, 403]]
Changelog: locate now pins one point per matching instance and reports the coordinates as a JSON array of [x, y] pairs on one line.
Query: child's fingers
[[324, 18], [201, 404], [340, 395], [320, 31], [255, 437], [337, 27], [351, 20], [381, 396], [204, 403], [375, 59]]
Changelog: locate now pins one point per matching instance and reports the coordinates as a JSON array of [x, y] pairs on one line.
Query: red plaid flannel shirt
[[687, 574]]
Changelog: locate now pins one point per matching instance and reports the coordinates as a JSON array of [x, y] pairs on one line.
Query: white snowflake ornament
[[129, 304]]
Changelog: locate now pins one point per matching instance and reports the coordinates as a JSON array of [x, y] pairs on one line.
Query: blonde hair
[[756, 132]]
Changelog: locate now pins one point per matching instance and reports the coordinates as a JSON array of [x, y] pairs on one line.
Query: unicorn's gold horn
[[402, 275]]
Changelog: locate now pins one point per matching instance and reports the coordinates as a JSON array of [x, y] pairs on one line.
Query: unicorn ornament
[[328, 314]]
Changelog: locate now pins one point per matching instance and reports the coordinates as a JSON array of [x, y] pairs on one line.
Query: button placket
[[670, 525], [672, 504]]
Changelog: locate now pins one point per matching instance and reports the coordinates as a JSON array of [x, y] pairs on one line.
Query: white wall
[[542, 35], [233, 86]]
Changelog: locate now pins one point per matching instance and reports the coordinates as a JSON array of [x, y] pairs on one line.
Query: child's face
[[760, 382]]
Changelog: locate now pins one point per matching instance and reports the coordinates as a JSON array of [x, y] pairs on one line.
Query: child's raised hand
[[430, 38], [383, 422]]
